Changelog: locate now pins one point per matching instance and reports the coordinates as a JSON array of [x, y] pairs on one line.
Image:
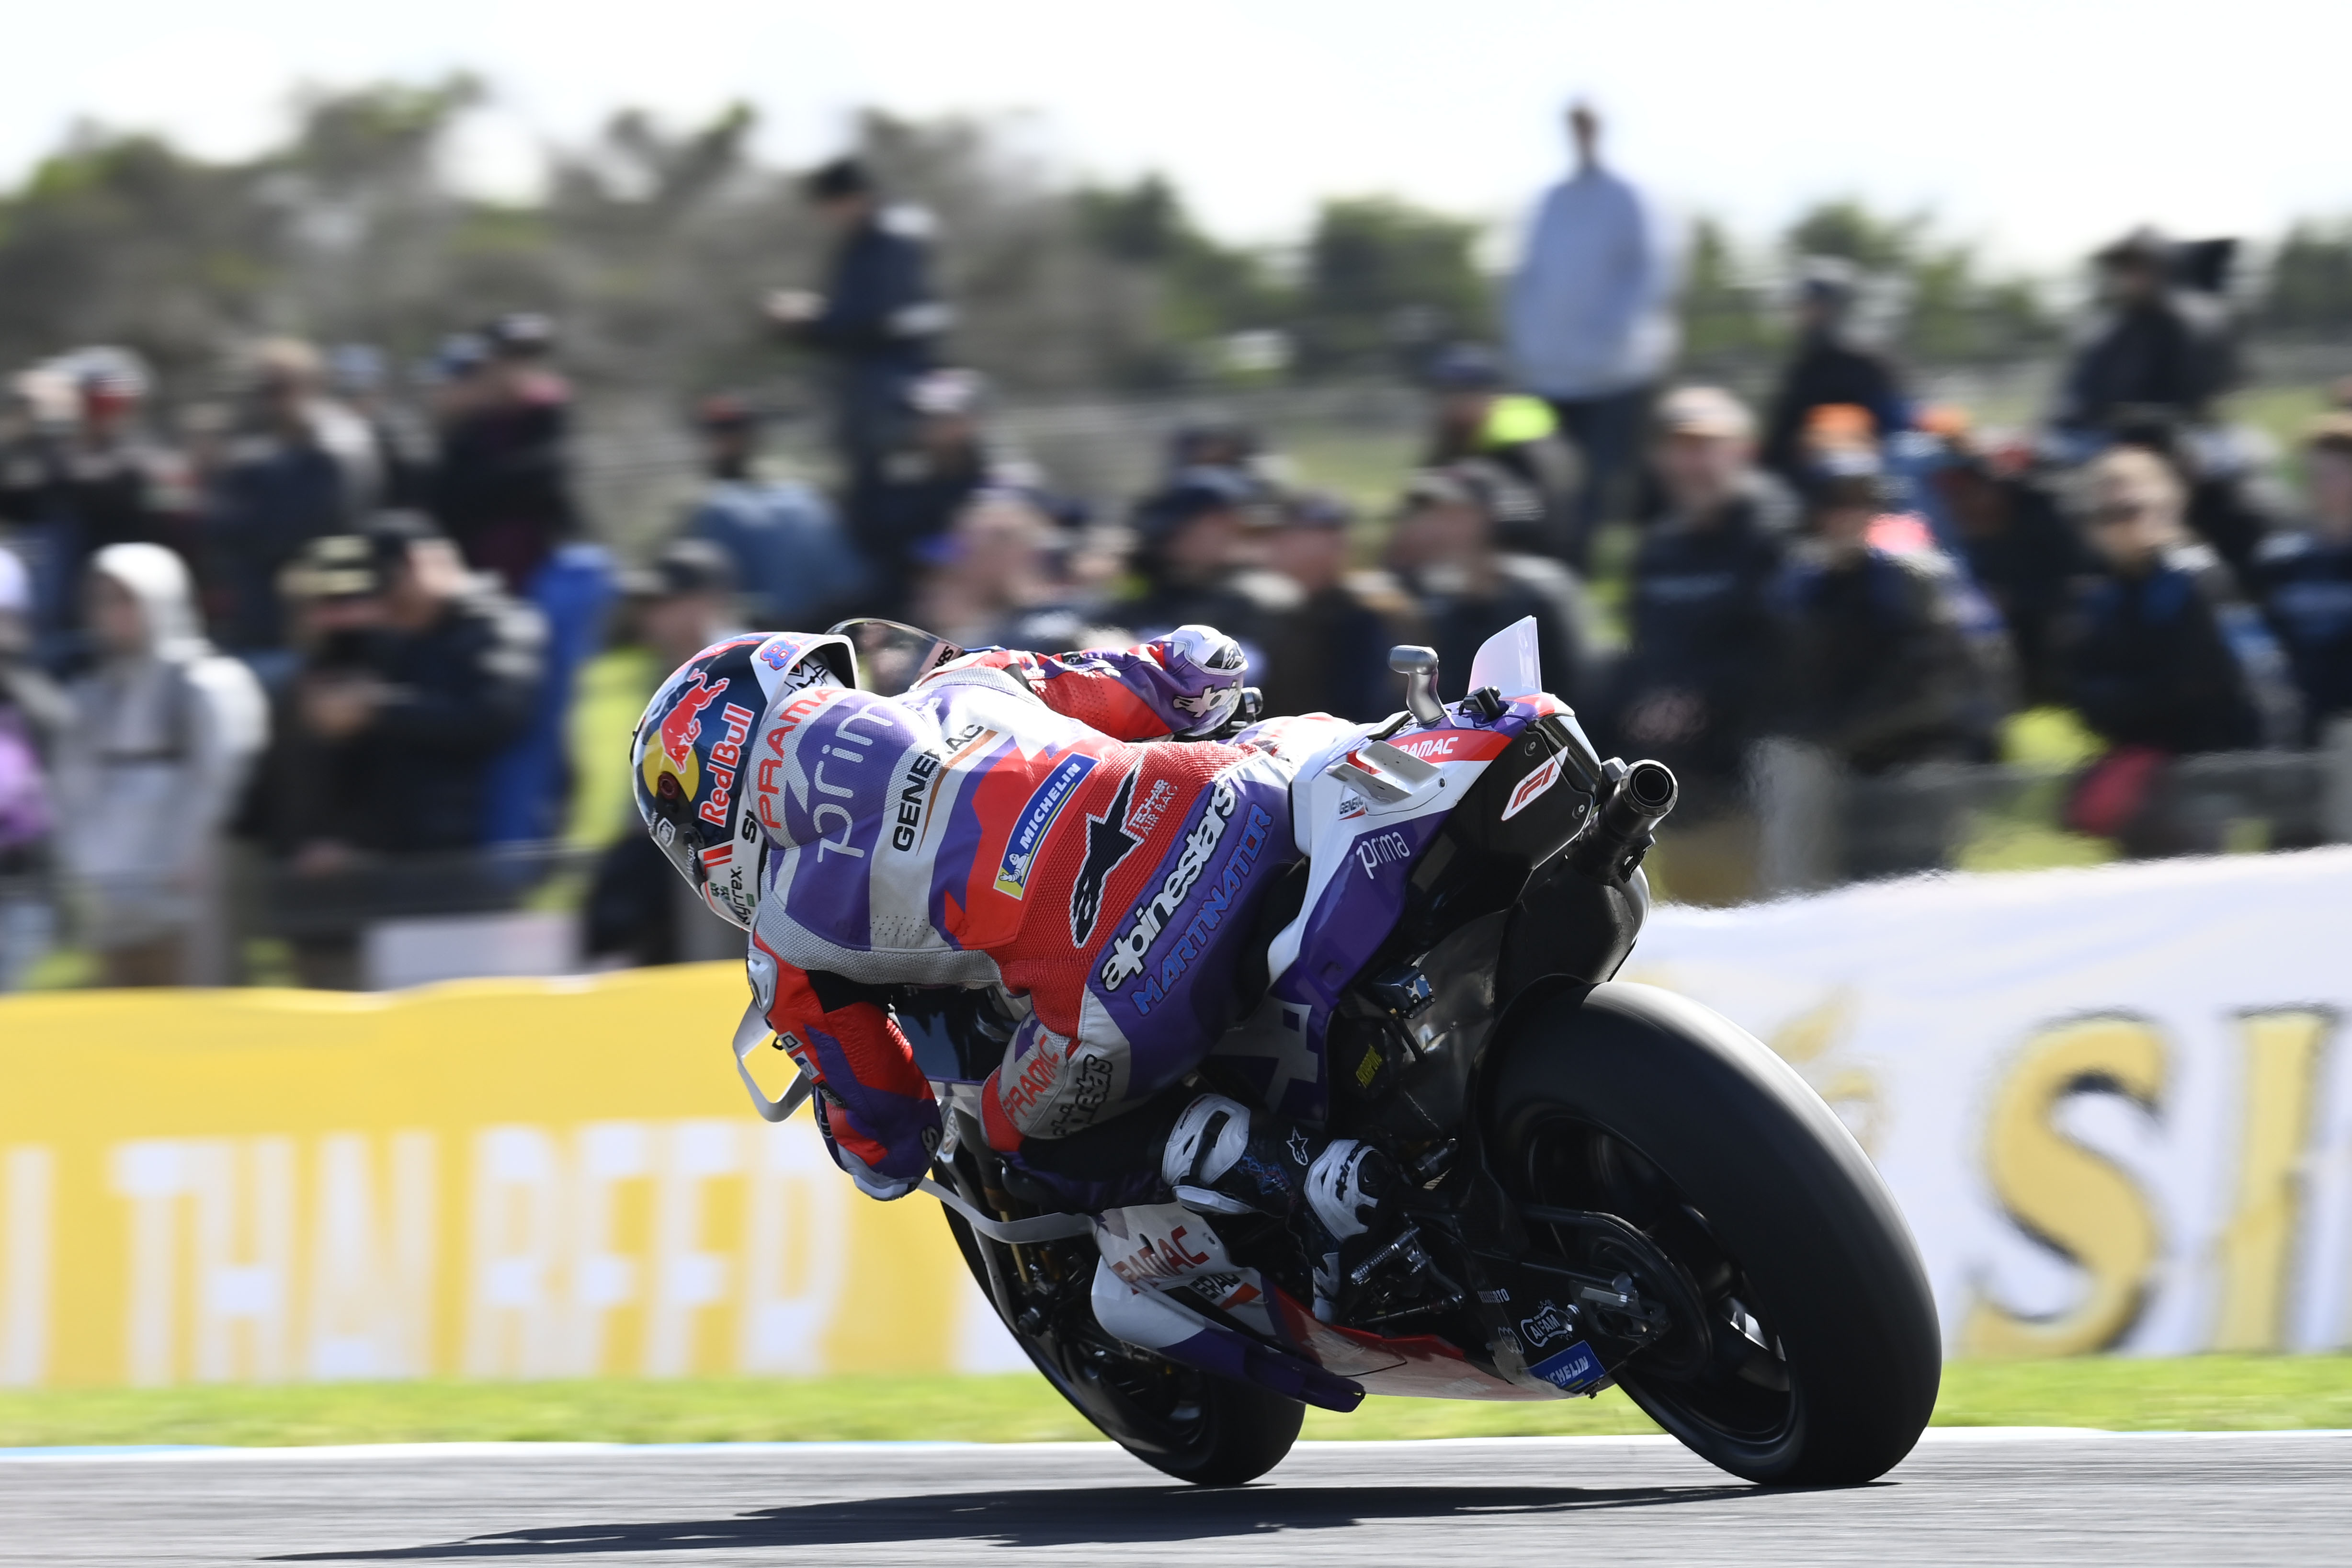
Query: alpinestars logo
[[1124, 962], [1108, 843]]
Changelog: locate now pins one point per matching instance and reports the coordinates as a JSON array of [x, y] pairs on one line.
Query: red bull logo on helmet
[[726, 757], [672, 752]]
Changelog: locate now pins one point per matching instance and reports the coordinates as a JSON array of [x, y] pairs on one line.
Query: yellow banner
[[489, 1179]]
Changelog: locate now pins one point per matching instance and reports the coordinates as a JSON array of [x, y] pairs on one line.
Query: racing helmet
[[695, 743]]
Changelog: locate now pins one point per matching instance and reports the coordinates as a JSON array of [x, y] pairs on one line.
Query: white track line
[[1934, 1437]]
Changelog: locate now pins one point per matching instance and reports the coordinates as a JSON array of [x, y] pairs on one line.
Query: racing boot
[[1223, 1158]]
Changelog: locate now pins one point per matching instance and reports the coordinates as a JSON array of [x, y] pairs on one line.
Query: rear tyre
[[1208, 1430], [1819, 1355]]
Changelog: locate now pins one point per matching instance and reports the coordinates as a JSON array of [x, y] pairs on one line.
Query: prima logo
[[1378, 849], [1124, 962], [845, 745]]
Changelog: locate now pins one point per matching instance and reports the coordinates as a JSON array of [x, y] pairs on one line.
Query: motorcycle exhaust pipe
[[1638, 799]]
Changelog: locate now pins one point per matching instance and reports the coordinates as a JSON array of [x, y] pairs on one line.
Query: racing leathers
[[1001, 827]]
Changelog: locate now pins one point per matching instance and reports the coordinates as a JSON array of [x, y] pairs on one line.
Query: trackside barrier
[[487, 1178], [2113, 1103]]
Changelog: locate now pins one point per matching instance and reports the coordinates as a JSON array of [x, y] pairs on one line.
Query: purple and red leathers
[[998, 826]]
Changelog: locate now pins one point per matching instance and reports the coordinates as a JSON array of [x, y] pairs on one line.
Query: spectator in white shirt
[[1590, 315]]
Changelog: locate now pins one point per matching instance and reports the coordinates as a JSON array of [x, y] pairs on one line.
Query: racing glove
[[1208, 666]]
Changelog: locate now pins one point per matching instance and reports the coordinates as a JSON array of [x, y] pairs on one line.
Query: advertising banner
[[486, 1179], [2113, 1103]]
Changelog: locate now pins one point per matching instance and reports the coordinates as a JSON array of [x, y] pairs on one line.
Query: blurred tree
[[120, 238], [1727, 315], [1847, 228], [1929, 300], [1199, 292], [2310, 284], [1383, 283]]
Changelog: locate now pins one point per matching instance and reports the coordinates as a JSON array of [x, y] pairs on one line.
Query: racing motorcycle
[[1607, 1184]]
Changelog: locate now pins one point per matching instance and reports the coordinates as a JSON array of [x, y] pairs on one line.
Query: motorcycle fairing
[[1365, 816], [1153, 1253]]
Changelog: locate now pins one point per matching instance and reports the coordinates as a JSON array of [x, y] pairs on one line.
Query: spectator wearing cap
[[502, 490], [2233, 504], [2159, 653], [2020, 547], [2154, 344], [904, 513], [1828, 368], [687, 600], [998, 580], [906, 502], [878, 320], [33, 718], [638, 912], [2304, 577], [164, 732], [1328, 650], [1474, 415], [98, 477], [417, 676], [1215, 441], [298, 466], [1193, 540], [1447, 550], [503, 496], [791, 565], [355, 375], [1590, 317], [1877, 667], [1696, 683], [454, 378]]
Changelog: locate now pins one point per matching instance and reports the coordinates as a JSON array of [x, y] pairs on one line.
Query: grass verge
[[2198, 1392]]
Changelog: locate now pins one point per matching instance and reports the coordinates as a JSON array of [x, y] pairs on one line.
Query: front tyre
[[1819, 1355], [1208, 1430]]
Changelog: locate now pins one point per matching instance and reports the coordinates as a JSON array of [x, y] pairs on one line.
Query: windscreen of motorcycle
[[892, 655]]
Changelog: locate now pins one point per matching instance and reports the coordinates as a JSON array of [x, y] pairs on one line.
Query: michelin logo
[[1573, 1369], [1036, 818]]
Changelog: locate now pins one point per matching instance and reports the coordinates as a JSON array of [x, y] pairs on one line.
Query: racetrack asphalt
[[1971, 1498]]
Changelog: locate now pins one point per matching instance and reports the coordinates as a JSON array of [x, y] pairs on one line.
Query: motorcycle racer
[[1001, 825]]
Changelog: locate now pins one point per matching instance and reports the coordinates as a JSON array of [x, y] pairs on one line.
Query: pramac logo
[[789, 719]]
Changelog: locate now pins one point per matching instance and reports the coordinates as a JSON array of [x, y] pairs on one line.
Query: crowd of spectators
[[287, 634], [325, 634]]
